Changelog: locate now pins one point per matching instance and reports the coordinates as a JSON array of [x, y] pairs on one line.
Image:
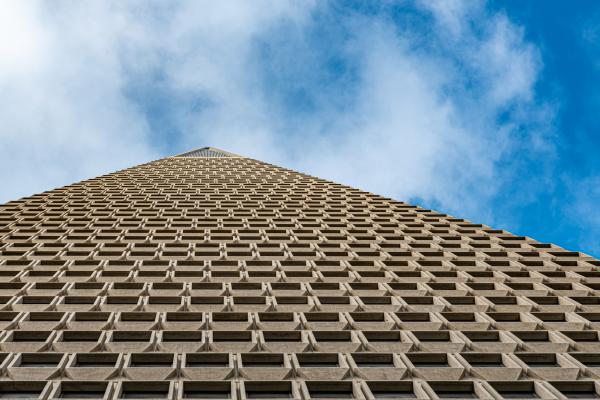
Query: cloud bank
[[427, 101]]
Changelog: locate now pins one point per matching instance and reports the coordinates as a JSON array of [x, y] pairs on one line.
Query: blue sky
[[483, 110]]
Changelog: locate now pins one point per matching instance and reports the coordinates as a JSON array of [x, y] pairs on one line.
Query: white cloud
[[423, 124], [23, 44], [417, 122], [65, 112], [63, 115], [426, 124]]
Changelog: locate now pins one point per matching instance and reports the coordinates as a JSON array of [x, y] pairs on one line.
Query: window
[[330, 390], [206, 390], [392, 389], [268, 389], [144, 390], [82, 390]]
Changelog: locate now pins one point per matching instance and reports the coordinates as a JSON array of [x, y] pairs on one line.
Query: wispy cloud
[[441, 107], [582, 209], [430, 100]]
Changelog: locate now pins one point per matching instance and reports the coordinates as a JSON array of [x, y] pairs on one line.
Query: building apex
[[207, 152]]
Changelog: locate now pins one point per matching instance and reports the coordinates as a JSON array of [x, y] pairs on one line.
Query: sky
[[484, 110]]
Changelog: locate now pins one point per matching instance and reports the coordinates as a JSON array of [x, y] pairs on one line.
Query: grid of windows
[[211, 275]]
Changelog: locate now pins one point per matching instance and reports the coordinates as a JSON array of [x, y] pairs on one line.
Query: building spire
[[207, 152]]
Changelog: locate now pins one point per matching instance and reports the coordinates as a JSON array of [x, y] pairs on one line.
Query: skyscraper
[[211, 275]]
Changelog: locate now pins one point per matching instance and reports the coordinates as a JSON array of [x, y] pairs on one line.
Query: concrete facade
[[211, 275]]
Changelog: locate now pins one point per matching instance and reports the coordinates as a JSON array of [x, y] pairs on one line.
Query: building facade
[[210, 275]]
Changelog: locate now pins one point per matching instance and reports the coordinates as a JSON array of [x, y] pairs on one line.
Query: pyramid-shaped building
[[211, 275]]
